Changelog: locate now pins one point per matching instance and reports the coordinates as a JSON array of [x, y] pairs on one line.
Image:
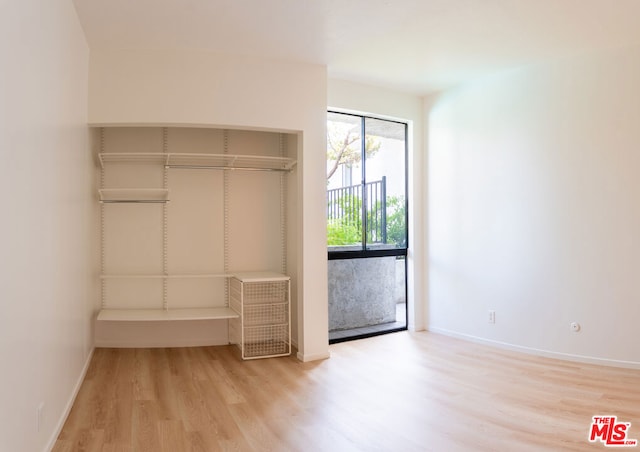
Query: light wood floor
[[399, 392]]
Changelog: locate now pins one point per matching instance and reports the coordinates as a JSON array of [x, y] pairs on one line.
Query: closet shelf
[[199, 275], [132, 157], [254, 277], [152, 315], [170, 276], [203, 161], [133, 195]]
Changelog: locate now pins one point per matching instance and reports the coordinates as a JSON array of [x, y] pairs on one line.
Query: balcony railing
[[344, 207]]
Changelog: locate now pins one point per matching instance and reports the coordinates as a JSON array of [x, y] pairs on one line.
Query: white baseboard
[[539, 352], [72, 399], [312, 356]]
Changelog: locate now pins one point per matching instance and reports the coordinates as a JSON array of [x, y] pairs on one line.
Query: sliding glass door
[[366, 225]]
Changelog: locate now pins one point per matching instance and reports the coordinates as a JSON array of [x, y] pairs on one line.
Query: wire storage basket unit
[[262, 300]]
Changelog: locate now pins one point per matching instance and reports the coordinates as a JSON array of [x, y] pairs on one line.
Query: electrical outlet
[[39, 416], [492, 317]]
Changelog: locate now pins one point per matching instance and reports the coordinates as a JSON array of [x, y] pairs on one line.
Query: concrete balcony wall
[[362, 292]]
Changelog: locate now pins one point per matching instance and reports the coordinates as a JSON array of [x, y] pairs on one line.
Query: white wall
[[350, 96], [534, 212], [46, 238], [199, 88]]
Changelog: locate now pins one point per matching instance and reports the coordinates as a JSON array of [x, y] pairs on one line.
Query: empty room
[[320, 226]]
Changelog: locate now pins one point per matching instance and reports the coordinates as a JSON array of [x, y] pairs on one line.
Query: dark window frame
[[334, 254]]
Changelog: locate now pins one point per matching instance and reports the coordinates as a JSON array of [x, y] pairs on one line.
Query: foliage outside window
[[366, 183]]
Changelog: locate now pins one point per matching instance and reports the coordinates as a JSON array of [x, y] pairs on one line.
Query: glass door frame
[[370, 253]]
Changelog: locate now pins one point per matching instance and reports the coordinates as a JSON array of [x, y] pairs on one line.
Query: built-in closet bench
[[137, 315]]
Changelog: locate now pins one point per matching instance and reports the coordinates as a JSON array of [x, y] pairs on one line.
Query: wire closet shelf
[[203, 161]]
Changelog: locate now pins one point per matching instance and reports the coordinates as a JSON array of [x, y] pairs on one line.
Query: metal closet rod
[[230, 168], [134, 201]]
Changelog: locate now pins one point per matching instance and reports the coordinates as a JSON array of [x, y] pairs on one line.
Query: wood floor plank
[[172, 435], [221, 421], [163, 394], [404, 391], [228, 382], [111, 447], [145, 424], [86, 440], [62, 445], [254, 430], [201, 431]]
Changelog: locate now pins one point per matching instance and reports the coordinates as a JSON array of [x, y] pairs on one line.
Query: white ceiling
[[416, 46]]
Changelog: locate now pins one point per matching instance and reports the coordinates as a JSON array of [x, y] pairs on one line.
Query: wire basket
[[266, 314], [263, 341], [263, 329], [265, 292]]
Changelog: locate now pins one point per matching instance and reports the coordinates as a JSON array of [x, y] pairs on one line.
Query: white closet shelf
[[199, 275], [260, 276], [153, 315], [132, 157], [203, 161], [161, 276], [133, 195]]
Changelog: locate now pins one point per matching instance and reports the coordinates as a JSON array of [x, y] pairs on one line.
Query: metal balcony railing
[[345, 206]]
